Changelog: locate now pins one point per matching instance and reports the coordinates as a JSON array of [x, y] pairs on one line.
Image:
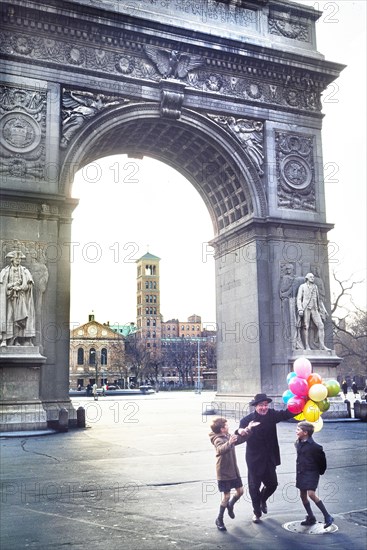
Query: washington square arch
[[227, 92]]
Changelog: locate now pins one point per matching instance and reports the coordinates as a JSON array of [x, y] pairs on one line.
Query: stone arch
[[228, 183], [230, 96]]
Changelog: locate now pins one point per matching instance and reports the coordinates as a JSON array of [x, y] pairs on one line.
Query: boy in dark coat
[[228, 474], [262, 452], [311, 463]]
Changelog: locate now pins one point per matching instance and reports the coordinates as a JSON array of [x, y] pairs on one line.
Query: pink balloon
[[290, 376], [295, 404], [302, 367], [298, 386]]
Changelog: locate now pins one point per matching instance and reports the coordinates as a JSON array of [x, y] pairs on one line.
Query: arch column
[[257, 343]]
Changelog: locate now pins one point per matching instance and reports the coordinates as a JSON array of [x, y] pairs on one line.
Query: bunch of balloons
[[307, 393]]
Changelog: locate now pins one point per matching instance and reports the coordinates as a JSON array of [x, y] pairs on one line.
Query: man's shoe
[[256, 519], [329, 520], [219, 523], [264, 507], [310, 520], [230, 511]]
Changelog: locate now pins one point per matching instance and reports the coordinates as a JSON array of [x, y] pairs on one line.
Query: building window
[[154, 323], [146, 284], [148, 322], [104, 356], [92, 356], [80, 356]]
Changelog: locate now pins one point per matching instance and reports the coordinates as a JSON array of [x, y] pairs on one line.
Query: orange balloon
[[314, 378]]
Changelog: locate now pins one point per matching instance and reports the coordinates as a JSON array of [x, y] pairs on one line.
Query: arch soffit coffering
[[198, 148]]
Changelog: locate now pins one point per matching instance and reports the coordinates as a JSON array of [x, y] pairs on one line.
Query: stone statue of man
[[17, 316], [310, 308]]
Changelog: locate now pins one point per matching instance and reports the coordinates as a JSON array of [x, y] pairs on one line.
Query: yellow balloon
[[300, 416], [317, 392], [311, 411], [318, 425]]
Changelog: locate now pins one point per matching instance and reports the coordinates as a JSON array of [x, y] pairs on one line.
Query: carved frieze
[[249, 133], [22, 132], [255, 81], [295, 171]]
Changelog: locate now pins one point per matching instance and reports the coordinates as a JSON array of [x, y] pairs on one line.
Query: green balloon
[[333, 387], [324, 405]]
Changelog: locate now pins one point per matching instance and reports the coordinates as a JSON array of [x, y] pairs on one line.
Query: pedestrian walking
[[262, 452], [228, 474], [94, 391], [344, 387], [355, 390], [311, 463]]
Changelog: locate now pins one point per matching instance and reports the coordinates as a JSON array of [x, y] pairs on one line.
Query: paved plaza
[[142, 476]]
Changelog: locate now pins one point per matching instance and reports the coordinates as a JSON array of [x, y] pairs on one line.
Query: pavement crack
[[168, 484], [23, 444]]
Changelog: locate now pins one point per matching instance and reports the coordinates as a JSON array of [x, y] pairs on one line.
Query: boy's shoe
[[310, 520], [230, 510], [219, 523], [256, 519], [264, 507], [329, 520]]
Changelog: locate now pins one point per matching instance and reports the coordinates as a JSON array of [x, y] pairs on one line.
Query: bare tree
[[349, 329], [137, 356]]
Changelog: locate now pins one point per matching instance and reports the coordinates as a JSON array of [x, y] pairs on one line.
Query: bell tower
[[148, 314]]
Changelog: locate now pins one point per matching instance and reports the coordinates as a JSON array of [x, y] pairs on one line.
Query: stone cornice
[[267, 76], [270, 229]]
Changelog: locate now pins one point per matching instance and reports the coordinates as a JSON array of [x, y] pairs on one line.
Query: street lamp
[[93, 352], [198, 375]]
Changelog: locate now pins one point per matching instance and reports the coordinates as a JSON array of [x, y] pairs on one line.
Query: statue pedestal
[[20, 404], [324, 362]]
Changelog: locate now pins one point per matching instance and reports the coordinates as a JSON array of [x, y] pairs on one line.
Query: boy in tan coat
[[228, 474]]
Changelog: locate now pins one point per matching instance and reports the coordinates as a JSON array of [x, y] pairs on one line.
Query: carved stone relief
[[249, 133], [22, 132], [292, 28], [172, 96], [78, 107], [295, 171]]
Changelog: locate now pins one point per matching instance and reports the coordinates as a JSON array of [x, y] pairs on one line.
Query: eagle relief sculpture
[[172, 63]]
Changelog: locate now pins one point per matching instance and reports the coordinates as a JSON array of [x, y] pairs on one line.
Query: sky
[[129, 207]]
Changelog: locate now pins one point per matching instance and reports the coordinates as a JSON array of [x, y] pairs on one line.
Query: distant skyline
[[173, 223]]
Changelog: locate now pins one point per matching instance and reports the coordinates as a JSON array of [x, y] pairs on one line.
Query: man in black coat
[[262, 452]]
